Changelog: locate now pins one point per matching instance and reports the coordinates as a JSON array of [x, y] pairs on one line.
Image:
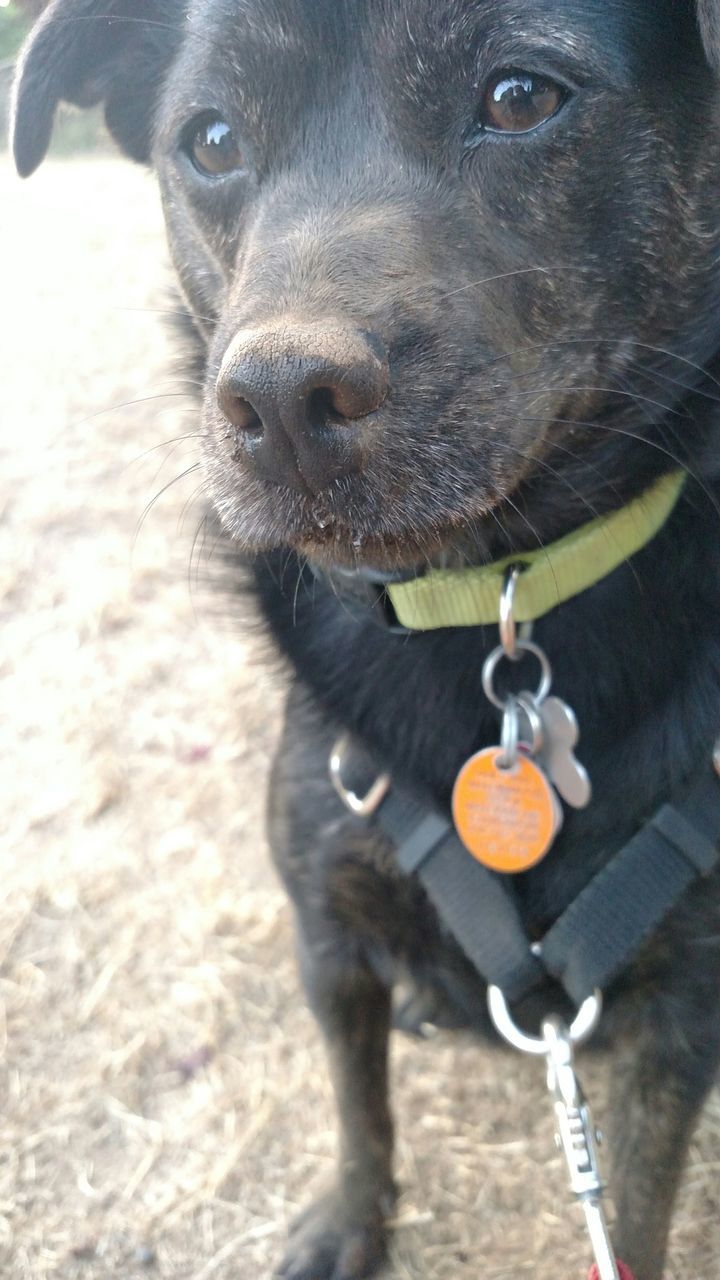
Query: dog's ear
[[708, 14], [90, 51]]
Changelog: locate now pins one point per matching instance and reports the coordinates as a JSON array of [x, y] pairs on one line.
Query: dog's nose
[[296, 395]]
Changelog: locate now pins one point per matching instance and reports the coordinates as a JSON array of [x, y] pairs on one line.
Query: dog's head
[[454, 261]]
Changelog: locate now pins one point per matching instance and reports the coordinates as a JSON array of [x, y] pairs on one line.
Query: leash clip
[[578, 1138], [575, 1132]]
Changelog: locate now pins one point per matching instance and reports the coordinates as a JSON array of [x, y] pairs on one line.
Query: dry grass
[[165, 1105]]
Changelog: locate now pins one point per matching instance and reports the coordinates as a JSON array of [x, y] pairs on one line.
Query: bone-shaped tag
[[560, 735]]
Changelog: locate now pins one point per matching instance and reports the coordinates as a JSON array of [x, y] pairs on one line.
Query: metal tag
[[560, 736]]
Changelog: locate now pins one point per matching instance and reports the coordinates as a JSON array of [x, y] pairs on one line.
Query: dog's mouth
[[426, 482], [383, 534], [393, 522], [390, 531], [437, 494], [356, 450], [406, 552], [439, 505]]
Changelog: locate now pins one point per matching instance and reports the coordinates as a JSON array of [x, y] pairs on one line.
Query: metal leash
[[576, 1134]]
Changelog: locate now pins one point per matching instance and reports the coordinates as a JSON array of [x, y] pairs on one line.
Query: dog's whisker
[[125, 19], [163, 462], [197, 552], [189, 503], [583, 500], [619, 343], [635, 396], [181, 313], [535, 460], [508, 275], [683, 462], [677, 459], [171, 444], [298, 581], [127, 404], [156, 498], [585, 464]]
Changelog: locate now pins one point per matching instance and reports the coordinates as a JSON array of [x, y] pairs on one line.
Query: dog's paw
[[329, 1242]]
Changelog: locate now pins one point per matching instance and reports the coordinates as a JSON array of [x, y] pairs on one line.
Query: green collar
[[551, 575]]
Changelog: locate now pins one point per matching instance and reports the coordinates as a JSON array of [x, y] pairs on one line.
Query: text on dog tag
[[507, 818]]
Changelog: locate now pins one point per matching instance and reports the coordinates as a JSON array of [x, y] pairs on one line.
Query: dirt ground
[[165, 1105]]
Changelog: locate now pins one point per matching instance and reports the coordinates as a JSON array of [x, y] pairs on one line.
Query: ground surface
[[165, 1109]]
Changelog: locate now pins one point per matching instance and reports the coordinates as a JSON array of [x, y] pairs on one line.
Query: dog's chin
[[359, 525], [386, 518], [381, 556], [332, 538]]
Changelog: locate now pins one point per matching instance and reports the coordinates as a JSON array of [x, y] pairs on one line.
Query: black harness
[[599, 934]]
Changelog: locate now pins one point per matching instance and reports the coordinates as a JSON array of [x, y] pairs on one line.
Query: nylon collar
[[551, 575]]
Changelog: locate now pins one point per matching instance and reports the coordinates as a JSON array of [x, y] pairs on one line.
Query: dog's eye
[[519, 101], [211, 145]]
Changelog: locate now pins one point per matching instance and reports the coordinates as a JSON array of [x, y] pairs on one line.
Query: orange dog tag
[[506, 818]]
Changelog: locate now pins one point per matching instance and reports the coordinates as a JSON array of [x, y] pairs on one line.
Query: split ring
[[508, 627], [521, 646], [509, 735]]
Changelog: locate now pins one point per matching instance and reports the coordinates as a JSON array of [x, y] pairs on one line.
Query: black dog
[[454, 266]]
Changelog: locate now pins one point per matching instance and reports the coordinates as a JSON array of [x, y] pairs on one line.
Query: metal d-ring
[[361, 806], [582, 1026], [521, 646]]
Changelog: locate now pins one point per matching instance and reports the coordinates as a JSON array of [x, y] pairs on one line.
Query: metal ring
[[361, 806], [508, 629], [526, 703], [509, 735], [522, 646], [582, 1026]]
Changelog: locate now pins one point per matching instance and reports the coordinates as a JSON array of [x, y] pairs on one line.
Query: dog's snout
[[296, 396]]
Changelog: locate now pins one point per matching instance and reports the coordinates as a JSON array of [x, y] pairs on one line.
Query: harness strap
[[600, 932], [472, 902]]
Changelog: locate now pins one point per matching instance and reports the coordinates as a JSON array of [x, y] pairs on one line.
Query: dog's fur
[[549, 307]]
